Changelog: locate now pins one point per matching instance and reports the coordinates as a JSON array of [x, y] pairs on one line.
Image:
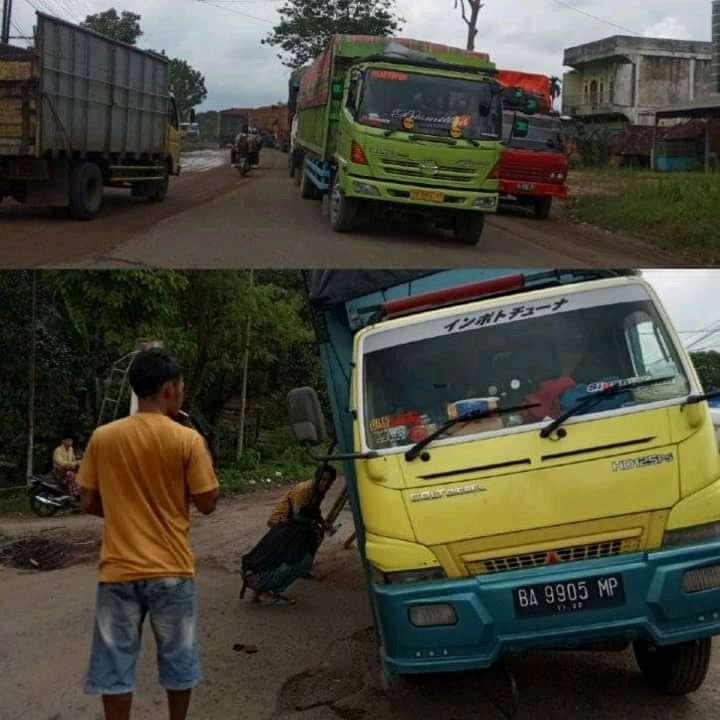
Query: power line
[[595, 17], [235, 12]]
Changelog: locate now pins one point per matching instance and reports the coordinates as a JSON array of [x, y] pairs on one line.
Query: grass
[[14, 502], [677, 211]]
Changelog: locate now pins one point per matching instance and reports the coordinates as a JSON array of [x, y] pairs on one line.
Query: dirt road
[[214, 218], [314, 661]]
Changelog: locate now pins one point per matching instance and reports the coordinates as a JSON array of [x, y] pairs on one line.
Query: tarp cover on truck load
[[327, 287], [529, 82], [315, 83]]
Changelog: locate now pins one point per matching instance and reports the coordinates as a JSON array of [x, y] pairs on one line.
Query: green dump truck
[[401, 126]]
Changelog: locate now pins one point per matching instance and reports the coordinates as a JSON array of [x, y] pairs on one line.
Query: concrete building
[[625, 79]]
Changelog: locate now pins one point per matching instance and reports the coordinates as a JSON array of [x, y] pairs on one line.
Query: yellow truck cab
[[531, 463]]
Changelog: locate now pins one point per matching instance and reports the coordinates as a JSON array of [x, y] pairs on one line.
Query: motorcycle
[[49, 496]]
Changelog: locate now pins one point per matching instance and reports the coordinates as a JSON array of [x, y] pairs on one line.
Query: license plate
[[556, 598], [427, 196], [526, 187]]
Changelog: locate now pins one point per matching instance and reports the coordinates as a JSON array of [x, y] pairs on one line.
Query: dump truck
[[80, 112], [530, 462], [402, 127], [534, 165], [230, 123]]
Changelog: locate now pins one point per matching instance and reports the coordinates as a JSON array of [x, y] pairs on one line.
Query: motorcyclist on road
[[245, 145], [66, 464]]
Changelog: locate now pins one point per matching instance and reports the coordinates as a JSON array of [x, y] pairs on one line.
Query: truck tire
[[86, 191], [678, 669], [468, 229], [542, 207], [343, 210], [308, 191]]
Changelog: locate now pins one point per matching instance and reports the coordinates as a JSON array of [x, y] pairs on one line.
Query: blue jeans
[[282, 577], [121, 609]]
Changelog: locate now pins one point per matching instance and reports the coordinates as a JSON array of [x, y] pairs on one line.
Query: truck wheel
[[542, 207], [468, 229], [343, 210], [86, 191], [308, 191], [678, 669]]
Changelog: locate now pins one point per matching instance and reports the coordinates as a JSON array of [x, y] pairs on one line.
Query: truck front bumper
[[655, 608], [511, 189], [418, 195]]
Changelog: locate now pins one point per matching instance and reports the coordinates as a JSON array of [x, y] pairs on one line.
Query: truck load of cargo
[[402, 127], [530, 462], [534, 166], [230, 123], [80, 112]]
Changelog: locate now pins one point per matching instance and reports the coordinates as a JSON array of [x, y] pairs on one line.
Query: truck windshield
[[551, 352], [430, 105], [544, 133]]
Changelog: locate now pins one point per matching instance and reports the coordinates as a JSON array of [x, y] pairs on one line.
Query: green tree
[[707, 365], [470, 12], [124, 27], [188, 86], [306, 25]]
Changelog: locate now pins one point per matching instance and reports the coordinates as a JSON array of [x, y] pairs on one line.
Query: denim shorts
[[119, 616]]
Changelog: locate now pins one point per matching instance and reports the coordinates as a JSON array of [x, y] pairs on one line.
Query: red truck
[[533, 169]]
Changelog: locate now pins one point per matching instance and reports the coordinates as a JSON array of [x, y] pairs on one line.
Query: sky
[[690, 298], [221, 38]]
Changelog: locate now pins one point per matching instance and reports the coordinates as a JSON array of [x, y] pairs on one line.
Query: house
[[624, 79]]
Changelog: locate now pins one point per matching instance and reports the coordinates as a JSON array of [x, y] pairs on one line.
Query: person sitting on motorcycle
[[287, 551], [66, 464]]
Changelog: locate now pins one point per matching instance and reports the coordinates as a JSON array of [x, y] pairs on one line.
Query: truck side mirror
[[305, 414]]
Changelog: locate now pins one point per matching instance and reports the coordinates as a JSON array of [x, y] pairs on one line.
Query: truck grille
[[418, 170], [524, 173], [607, 548]]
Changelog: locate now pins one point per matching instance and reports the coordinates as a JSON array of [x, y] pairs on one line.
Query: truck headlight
[[407, 576], [703, 578], [693, 535], [432, 615], [557, 176]]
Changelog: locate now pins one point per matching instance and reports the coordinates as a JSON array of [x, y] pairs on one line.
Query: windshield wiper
[[609, 391], [419, 446]]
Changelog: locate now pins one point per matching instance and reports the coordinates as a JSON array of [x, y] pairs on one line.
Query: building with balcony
[[623, 79]]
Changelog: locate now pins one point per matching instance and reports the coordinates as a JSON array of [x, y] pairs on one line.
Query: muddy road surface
[[214, 218], [313, 661]]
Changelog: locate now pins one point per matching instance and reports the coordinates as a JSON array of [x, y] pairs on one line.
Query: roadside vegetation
[[678, 211]]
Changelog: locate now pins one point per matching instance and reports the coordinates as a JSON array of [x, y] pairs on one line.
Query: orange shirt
[[145, 467], [298, 496]]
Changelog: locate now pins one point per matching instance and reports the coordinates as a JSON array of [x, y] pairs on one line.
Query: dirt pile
[[48, 552]]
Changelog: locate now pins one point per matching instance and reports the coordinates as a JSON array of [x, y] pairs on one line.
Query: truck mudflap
[[665, 597]]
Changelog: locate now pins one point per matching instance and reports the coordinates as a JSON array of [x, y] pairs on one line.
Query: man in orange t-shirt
[[139, 474]]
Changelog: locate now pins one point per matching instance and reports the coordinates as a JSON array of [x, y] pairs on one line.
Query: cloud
[[668, 27], [221, 38]]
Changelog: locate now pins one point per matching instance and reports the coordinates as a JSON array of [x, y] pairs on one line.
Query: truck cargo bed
[[85, 92], [17, 101]]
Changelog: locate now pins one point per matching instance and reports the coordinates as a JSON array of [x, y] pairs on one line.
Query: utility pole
[[7, 12], [31, 378], [243, 401]]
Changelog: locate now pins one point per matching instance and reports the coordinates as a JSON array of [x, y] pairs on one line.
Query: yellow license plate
[[427, 196]]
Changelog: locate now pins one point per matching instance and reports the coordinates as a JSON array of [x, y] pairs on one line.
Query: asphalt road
[[212, 218], [314, 661]]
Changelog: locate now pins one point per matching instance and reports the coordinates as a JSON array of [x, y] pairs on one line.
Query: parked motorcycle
[[48, 496]]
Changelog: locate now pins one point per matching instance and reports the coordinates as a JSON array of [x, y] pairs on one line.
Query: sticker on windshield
[[408, 122], [494, 316], [459, 122], [392, 75], [604, 385]]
